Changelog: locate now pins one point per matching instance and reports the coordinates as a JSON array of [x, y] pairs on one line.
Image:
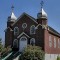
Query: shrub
[[58, 58], [32, 52], [5, 51]]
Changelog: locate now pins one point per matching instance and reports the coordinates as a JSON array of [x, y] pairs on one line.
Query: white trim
[[7, 28], [24, 26], [43, 26], [22, 34], [37, 26], [58, 43], [23, 37], [54, 42], [26, 15], [50, 41], [17, 31], [48, 28]]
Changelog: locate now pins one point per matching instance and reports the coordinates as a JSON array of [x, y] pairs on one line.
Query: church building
[[26, 30]]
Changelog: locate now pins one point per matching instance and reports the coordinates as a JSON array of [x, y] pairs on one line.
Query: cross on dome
[[42, 13], [13, 17], [42, 4], [12, 7]]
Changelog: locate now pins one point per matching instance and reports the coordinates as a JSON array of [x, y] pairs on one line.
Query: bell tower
[[8, 31], [42, 16], [12, 18]]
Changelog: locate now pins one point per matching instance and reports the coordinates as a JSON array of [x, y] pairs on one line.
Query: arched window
[[15, 43], [16, 31], [58, 43], [32, 29], [54, 42], [50, 41], [32, 41]]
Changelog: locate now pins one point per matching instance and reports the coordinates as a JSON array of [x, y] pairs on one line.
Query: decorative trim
[[31, 29], [17, 31], [22, 34], [23, 37], [37, 26], [24, 26], [8, 28]]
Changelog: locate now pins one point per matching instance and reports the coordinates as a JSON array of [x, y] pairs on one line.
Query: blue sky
[[32, 7]]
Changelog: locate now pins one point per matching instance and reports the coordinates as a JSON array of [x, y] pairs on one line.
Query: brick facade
[[41, 36]]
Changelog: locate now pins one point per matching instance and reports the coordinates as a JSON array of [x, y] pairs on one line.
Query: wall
[[51, 56], [48, 49]]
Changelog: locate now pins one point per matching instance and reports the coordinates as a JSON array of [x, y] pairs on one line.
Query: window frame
[[23, 25], [32, 40], [32, 29], [15, 42], [16, 33], [50, 41], [58, 43], [55, 44]]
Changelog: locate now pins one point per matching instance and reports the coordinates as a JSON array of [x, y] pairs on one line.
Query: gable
[[23, 34], [25, 16], [38, 26]]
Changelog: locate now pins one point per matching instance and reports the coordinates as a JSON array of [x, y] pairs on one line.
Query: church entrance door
[[22, 43]]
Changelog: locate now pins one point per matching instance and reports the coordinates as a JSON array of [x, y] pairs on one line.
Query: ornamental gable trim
[[22, 34]]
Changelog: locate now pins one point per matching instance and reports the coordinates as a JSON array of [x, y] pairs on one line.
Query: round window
[[24, 25]]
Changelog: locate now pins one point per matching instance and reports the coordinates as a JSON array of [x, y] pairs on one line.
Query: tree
[[4, 51], [32, 53]]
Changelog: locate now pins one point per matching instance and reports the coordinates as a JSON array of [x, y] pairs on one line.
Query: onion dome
[[42, 14], [12, 17]]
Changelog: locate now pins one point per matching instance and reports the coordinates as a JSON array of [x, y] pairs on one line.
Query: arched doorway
[[22, 43]]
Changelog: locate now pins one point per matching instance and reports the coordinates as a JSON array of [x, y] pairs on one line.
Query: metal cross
[[12, 7], [42, 4]]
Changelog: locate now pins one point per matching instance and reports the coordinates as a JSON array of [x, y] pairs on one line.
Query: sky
[[31, 7]]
